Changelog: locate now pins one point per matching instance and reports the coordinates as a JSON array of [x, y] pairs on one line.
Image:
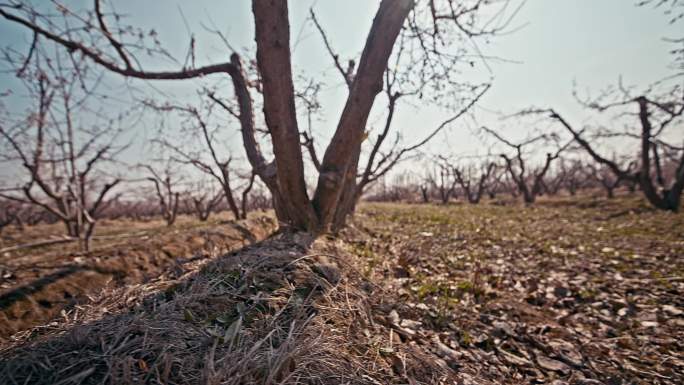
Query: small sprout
[[387, 351], [240, 308], [187, 315], [232, 333]]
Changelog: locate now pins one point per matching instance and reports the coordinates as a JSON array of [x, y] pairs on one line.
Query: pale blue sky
[[592, 42]]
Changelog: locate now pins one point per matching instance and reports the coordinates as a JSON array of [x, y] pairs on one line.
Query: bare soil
[[39, 284], [582, 291], [586, 291]]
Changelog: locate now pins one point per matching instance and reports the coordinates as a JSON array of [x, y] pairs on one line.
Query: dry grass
[[40, 283], [284, 311], [580, 292]]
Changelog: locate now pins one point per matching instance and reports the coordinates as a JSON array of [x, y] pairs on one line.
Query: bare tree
[[398, 85], [167, 198], [21, 214], [496, 184], [442, 180], [572, 175], [424, 192], [466, 177], [218, 168], [554, 180], [658, 108], [61, 156], [433, 26], [395, 188], [661, 189], [8, 213], [605, 177], [259, 198], [529, 185], [203, 201]]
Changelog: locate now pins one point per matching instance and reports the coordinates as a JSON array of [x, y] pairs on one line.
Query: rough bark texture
[[669, 198], [366, 85], [273, 59]]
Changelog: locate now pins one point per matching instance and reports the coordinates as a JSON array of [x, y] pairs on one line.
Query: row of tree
[[197, 200], [417, 38], [449, 180], [67, 144]]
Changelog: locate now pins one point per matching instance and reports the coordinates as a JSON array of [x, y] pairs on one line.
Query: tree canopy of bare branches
[[167, 195], [662, 186], [528, 182], [474, 186], [432, 36], [60, 153]]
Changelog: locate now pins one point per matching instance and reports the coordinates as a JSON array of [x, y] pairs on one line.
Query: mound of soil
[[465, 294], [41, 287], [284, 311]]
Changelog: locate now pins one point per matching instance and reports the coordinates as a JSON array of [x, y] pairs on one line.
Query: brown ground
[[38, 284], [581, 292], [569, 291]]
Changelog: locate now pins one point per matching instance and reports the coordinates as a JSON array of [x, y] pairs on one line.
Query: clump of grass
[[285, 311]]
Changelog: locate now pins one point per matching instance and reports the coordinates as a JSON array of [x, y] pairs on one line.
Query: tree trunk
[[609, 192], [529, 198], [424, 192], [275, 67], [245, 196], [368, 82], [351, 193], [274, 61], [228, 192]]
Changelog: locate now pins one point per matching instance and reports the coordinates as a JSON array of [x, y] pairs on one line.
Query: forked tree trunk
[[284, 177], [670, 198], [424, 192], [333, 199]]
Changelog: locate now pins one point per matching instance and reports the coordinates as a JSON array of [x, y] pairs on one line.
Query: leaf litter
[[558, 293]]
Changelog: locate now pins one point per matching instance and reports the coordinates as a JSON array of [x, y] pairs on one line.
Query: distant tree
[[443, 181], [466, 178], [424, 192], [202, 200], [663, 190], [572, 175], [437, 30], [657, 111], [167, 198], [605, 177], [217, 168], [8, 213], [554, 180], [496, 184], [259, 199], [60, 145], [529, 185]]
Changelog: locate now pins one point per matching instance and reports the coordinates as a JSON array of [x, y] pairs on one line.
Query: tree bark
[[275, 66], [367, 83]]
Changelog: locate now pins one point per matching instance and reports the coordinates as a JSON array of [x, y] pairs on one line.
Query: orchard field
[[577, 291]]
